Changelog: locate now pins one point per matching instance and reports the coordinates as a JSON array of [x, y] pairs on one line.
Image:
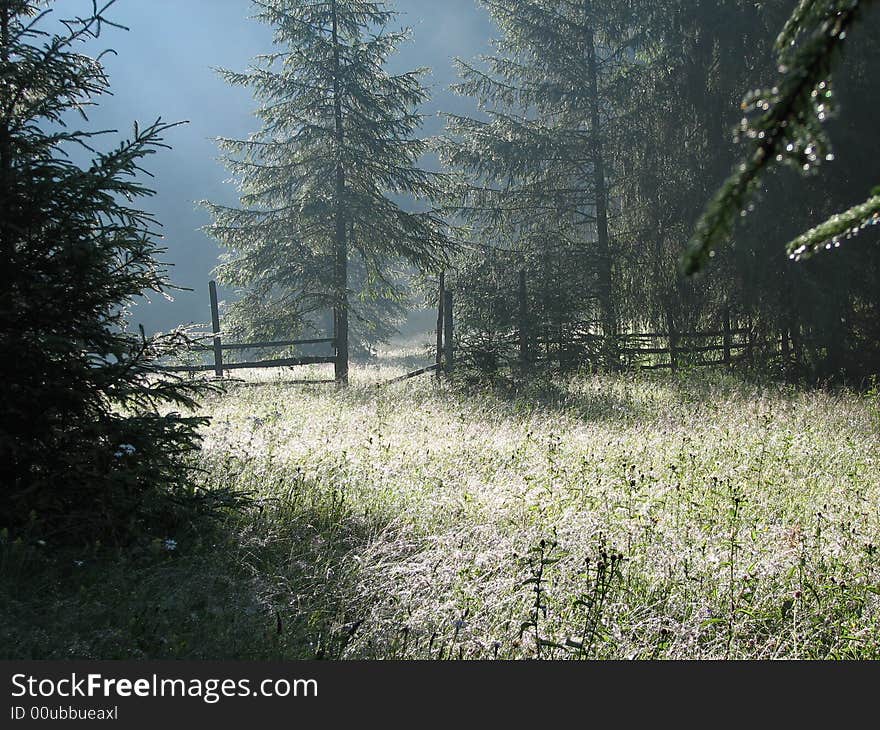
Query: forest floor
[[631, 516]]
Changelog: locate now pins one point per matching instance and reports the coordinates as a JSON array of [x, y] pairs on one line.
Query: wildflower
[[169, 544], [124, 450], [78, 563]]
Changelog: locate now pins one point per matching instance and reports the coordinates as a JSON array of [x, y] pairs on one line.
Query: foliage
[[668, 84], [786, 127], [88, 445], [533, 192], [327, 173], [691, 61]]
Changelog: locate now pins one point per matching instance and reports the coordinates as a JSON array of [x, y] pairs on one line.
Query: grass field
[[630, 516]]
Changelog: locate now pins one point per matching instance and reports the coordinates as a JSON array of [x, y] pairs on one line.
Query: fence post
[[447, 326], [750, 342], [796, 349], [440, 298], [523, 322], [215, 324], [727, 358], [673, 342]]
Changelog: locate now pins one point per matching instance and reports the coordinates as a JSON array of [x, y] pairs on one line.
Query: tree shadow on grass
[[622, 398], [278, 583]]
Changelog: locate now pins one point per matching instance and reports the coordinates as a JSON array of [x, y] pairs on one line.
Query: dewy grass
[[627, 516]]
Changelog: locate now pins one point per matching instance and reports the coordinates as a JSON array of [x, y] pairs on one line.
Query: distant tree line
[[604, 126], [598, 207]]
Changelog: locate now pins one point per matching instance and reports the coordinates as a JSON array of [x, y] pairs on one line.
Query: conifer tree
[[323, 179], [702, 56], [785, 125], [87, 447], [690, 59], [536, 172]]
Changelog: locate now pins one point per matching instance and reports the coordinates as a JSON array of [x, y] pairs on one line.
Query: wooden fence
[[218, 347], [443, 362], [577, 344]]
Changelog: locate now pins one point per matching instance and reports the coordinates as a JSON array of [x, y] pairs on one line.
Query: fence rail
[[259, 345], [527, 342], [278, 363], [530, 341], [443, 361], [218, 348]]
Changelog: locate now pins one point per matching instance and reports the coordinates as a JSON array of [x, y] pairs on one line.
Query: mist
[[164, 67]]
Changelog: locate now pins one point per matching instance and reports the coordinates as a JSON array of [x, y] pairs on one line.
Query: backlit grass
[[698, 516]]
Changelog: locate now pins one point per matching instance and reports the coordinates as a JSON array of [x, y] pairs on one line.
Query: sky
[[164, 68]]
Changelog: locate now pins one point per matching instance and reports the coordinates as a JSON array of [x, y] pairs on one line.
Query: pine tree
[[690, 59], [87, 448], [535, 168], [324, 177], [697, 59], [784, 125]]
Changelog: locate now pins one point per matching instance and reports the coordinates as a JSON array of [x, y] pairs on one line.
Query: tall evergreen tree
[[86, 447], [325, 175], [536, 165], [670, 79], [824, 313], [689, 61]]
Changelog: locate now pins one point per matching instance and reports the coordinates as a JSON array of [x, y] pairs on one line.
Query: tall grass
[[627, 516]]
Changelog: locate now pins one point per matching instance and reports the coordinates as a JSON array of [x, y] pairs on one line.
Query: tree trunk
[[5, 156], [448, 324], [341, 240], [672, 336], [727, 337], [606, 291], [522, 319], [215, 325], [5, 142], [8, 201], [440, 299]]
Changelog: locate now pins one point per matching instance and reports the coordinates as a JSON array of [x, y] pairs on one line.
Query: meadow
[[628, 516]]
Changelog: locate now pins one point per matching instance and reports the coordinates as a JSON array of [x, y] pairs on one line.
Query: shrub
[[89, 444]]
